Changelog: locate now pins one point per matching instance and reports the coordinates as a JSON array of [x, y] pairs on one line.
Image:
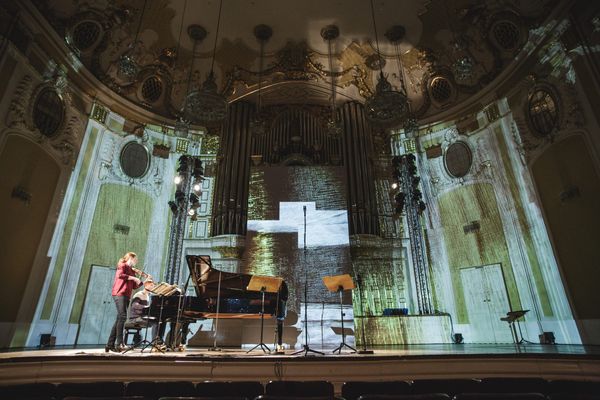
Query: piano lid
[[200, 267]]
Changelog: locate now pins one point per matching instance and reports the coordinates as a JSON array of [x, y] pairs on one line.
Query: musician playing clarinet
[[124, 283]]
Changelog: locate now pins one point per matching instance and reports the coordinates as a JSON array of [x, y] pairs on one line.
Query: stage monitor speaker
[[547, 338], [47, 340], [457, 338]]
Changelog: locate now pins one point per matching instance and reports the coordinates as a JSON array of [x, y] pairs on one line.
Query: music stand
[[162, 290], [338, 284], [511, 318], [263, 284]]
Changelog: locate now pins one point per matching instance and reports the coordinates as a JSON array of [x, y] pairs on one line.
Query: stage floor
[[235, 364]]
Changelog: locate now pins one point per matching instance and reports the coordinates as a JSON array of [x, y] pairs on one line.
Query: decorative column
[[357, 148], [233, 173]]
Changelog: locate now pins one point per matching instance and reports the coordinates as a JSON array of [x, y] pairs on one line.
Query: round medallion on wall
[[152, 89], [85, 34], [458, 159], [135, 160], [542, 111], [48, 111]]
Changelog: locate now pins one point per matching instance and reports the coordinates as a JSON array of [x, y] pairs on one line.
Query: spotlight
[[394, 186], [197, 188], [183, 164], [179, 196], [194, 200], [178, 180], [173, 207], [191, 212], [198, 170]]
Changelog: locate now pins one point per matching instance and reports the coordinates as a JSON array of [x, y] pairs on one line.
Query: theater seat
[[354, 389], [90, 389], [241, 390], [448, 386], [425, 396], [499, 396], [299, 388], [30, 391], [158, 389], [513, 385]]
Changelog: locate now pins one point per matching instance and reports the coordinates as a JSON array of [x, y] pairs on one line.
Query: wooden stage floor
[[407, 362]]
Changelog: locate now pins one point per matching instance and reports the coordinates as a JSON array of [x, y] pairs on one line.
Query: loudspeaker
[[547, 338], [46, 340], [457, 338]]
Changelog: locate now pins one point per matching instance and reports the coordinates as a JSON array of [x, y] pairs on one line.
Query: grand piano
[[219, 294]]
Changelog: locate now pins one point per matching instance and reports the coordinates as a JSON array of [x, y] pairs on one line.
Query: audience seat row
[[420, 389]]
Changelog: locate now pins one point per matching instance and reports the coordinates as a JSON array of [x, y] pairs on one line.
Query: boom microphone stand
[[305, 348]]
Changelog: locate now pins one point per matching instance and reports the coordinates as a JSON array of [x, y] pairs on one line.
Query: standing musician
[[124, 283]]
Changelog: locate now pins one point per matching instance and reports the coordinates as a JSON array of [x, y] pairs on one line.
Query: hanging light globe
[[333, 127], [206, 105], [386, 107], [127, 67], [258, 125]]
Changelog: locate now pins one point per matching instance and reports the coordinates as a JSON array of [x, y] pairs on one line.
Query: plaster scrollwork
[[16, 117], [110, 169]]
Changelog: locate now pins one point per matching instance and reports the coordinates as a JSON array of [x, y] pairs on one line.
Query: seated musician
[[136, 319]]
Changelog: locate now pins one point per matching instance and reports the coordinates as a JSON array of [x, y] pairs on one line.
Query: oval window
[[48, 112], [458, 159], [135, 160]]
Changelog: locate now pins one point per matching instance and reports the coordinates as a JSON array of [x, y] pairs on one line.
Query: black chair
[[277, 397], [449, 386], [424, 396], [299, 389], [352, 390], [573, 396], [557, 387], [90, 389], [29, 391], [241, 390], [156, 390], [513, 385], [499, 396]]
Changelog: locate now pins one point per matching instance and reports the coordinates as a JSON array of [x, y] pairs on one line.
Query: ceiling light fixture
[[395, 35], [258, 125], [127, 66], [386, 107], [206, 106], [334, 127]]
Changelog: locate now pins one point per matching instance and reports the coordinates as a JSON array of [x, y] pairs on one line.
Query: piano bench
[[135, 330]]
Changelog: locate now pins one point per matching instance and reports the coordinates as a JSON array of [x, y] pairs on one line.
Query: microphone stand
[[305, 348], [362, 325]]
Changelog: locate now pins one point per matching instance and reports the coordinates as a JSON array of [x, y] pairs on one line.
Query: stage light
[[191, 212], [179, 196], [197, 188], [173, 207], [198, 170], [422, 206], [394, 186], [194, 200], [178, 180], [183, 164]]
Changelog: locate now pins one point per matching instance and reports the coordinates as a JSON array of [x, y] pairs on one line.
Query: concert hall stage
[[408, 362]]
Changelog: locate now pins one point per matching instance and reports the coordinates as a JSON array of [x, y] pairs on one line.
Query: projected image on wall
[[280, 198]]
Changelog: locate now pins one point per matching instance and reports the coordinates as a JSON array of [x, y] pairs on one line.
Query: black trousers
[[116, 333]]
